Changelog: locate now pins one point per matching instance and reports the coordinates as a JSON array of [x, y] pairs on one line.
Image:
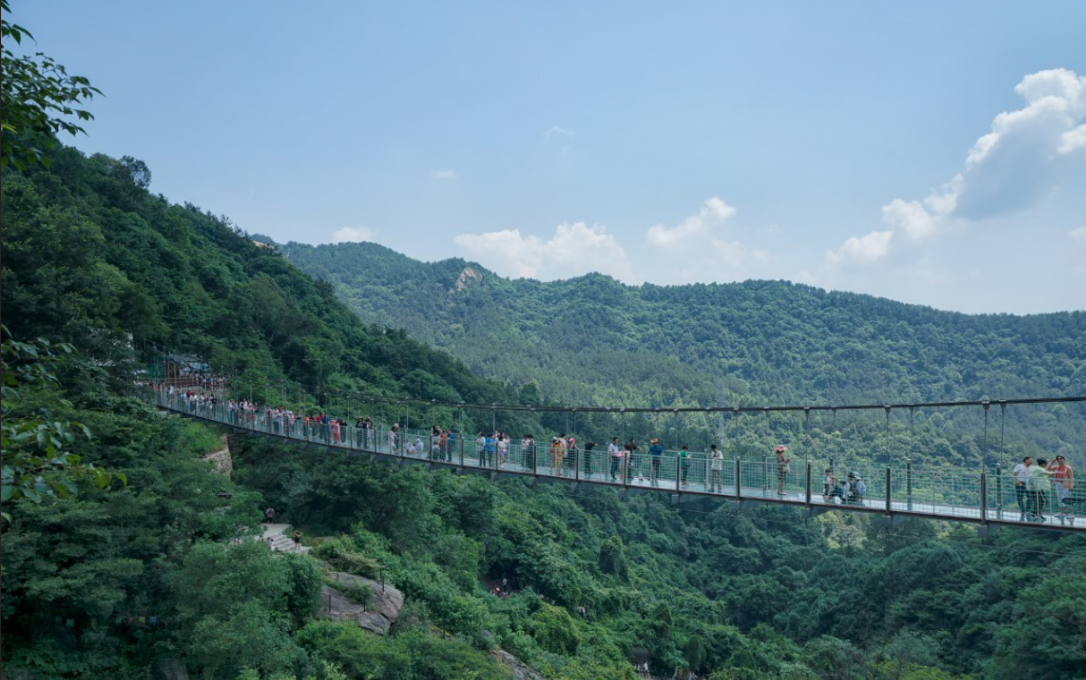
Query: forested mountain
[[592, 338]]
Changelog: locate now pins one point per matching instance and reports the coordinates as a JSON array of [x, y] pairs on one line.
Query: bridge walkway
[[986, 498]]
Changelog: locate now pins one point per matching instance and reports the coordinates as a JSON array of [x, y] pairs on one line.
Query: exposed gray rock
[[171, 668], [376, 618], [520, 671], [224, 464]]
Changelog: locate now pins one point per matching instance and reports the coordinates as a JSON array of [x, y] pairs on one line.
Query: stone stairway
[[280, 540]]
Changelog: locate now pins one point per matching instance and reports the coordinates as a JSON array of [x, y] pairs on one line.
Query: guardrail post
[[889, 494], [678, 474], [807, 486], [765, 475], [738, 478], [909, 483], [999, 491], [983, 497]]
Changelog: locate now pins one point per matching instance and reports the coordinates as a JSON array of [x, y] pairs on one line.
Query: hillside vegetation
[[589, 338]]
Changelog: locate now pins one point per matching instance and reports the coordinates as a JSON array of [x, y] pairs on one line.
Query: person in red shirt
[[1064, 477]]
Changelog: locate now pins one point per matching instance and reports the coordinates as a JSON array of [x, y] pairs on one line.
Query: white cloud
[[910, 217], [574, 249], [447, 175], [699, 248], [863, 249], [1073, 141], [353, 235], [1010, 168], [1024, 156], [1078, 235], [713, 212]]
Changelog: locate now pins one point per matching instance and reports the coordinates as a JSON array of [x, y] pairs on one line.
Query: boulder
[[377, 618], [516, 666]]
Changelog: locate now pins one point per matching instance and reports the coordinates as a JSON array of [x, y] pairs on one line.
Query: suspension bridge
[[989, 499]]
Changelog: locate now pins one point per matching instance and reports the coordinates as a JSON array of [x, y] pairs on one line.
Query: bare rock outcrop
[[224, 464], [377, 616], [516, 666]]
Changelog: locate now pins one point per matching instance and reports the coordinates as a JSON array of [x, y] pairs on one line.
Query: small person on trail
[[297, 540], [269, 515]]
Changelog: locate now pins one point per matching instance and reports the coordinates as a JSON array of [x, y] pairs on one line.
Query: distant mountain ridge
[[591, 338]]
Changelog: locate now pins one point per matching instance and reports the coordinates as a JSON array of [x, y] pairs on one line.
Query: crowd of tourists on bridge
[[1031, 486], [1034, 481]]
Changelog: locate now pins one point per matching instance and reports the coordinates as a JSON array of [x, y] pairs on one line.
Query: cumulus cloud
[[354, 235], [447, 175], [699, 247], [696, 227], [863, 249], [574, 249], [1073, 141], [910, 217], [1024, 155], [1012, 167]]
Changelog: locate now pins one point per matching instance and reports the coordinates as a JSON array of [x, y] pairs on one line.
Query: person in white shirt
[[1021, 476], [716, 467], [615, 452]]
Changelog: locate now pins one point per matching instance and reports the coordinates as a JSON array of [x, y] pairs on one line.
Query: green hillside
[[592, 340], [781, 341]]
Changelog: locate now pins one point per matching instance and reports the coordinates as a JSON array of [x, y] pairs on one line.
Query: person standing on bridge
[[1037, 486], [656, 452], [716, 466], [490, 443], [631, 447], [1064, 478], [527, 451], [480, 449], [1021, 477], [684, 462], [615, 453], [782, 467], [557, 453]]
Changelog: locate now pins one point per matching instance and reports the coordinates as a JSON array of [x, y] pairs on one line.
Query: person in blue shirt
[[488, 450], [656, 452]]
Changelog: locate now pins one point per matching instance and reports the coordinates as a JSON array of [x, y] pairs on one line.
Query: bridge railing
[[940, 492]]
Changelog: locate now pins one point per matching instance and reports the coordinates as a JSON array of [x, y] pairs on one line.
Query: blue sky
[[857, 146]]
